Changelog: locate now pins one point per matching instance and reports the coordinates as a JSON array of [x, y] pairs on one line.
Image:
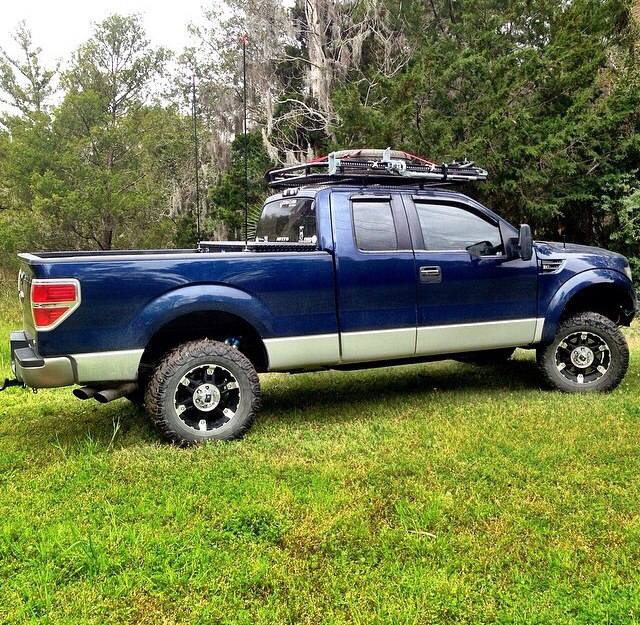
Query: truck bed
[[203, 248], [126, 294]]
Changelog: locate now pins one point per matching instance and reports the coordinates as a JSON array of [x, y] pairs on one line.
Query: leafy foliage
[[227, 197], [545, 95]]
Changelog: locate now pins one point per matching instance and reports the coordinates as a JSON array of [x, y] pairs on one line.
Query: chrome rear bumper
[[91, 368], [33, 370]]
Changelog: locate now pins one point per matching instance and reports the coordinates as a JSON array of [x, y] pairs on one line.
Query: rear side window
[[454, 228], [288, 220], [374, 227]]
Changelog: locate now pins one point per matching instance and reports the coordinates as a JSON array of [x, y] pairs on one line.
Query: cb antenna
[[246, 147], [194, 107]]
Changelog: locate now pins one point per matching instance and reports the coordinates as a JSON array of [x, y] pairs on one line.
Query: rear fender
[[202, 298]]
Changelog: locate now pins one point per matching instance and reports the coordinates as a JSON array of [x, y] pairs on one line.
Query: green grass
[[436, 493]]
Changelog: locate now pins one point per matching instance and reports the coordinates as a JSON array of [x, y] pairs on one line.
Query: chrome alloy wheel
[[583, 357], [207, 397]]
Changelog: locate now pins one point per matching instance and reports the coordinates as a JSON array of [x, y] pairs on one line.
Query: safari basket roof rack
[[369, 167]]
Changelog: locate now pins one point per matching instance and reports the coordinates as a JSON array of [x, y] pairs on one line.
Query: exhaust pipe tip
[[102, 399], [109, 394], [85, 392]]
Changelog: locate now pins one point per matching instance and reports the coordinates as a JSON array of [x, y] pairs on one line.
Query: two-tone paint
[[331, 307]]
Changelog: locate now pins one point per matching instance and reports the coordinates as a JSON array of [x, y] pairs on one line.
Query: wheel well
[[608, 300], [217, 326]]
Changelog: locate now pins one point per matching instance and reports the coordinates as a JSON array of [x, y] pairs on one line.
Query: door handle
[[430, 275]]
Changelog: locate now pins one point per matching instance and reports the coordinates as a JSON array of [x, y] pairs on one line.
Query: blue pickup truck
[[357, 262]]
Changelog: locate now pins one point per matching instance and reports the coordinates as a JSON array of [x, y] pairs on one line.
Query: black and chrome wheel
[[589, 353], [203, 390]]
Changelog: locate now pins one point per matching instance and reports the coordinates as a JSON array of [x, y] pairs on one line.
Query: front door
[[468, 302]]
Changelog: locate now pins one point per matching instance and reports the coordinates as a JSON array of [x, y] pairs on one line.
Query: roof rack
[[369, 167]]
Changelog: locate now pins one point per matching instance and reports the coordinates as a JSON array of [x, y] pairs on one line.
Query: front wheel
[[203, 390], [589, 353]]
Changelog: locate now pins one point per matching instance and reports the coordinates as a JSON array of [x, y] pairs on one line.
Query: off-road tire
[[187, 360], [489, 358], [599, 331]]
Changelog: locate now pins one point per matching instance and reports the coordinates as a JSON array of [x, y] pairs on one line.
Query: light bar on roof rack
[[367, 167]]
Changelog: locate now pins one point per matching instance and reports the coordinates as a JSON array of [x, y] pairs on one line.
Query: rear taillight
[[52, 301]]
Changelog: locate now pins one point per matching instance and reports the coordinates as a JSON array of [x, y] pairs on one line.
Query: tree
[[99, 186], [227, 197], [25, 84], [545, 95]]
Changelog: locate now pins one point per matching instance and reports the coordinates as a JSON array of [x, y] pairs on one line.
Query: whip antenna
[[246, 147], [195, 151]]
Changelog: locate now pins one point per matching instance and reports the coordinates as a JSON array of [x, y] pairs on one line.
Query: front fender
[[572, 287], [202, 298]]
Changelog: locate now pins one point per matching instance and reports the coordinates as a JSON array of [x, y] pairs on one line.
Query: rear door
[[375, 265], [466, 302]]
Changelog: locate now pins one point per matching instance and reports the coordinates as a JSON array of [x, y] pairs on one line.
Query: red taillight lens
[[52, 301], [44, 317], [53, 293]]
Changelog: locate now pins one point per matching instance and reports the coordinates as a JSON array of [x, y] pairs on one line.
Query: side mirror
[[525, 242], [484, 248]]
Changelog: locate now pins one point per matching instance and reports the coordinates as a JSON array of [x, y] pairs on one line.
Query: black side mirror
[[484, 248], [525, 242]]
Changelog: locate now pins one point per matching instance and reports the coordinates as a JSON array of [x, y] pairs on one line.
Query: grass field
[[436, 493]]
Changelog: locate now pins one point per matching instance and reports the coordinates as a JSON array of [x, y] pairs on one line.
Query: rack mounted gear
[[374, 167]]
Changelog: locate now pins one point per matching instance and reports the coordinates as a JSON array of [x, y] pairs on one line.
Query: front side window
[[287, 221], [374, 227], [454, 228]]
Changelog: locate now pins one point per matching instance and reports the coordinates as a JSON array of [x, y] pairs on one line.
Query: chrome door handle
[[430, 275]]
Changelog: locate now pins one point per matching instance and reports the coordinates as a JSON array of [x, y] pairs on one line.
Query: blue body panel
[[476, 289], [584, 267], [473, 289], [127, 297], [125, 301], [375, 290]]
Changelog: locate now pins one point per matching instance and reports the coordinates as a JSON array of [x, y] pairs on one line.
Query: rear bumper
[[33, 370], [91, 368]]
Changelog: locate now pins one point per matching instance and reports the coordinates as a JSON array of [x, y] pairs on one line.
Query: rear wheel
[[589, 353], [203, 390]]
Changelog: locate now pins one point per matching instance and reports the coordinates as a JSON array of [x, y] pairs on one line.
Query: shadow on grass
[[326, 390], [76, 427]]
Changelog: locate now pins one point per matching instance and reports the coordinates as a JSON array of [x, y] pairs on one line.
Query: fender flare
[[572, 287], [201, 298]]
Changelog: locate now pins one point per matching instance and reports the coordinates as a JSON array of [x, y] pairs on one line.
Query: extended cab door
[[375, 269], [468, 302]]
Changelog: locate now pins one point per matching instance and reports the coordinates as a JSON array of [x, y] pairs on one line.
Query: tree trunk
[[319, 72]]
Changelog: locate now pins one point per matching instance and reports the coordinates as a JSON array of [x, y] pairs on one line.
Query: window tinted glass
[[453, 228], [291, 220], [374, 227]]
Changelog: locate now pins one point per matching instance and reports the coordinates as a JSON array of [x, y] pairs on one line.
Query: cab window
[[454, 228], [287, 221], [373, 225]]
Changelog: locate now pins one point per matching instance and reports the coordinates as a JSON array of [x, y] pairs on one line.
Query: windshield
[[288, 220]]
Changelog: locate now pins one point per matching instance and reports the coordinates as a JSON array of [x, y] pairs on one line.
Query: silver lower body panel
[[308, 352], [96, 368]]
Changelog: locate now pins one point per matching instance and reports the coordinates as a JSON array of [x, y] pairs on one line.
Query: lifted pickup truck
[[361, 264]]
